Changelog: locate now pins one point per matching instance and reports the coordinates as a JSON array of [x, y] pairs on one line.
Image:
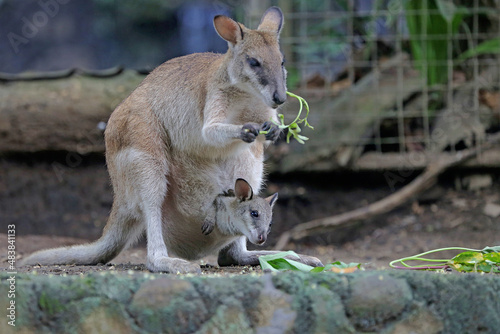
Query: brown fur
[[181, 138]]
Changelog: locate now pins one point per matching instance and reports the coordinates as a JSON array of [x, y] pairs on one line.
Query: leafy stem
[[486, 260], [294, 128]]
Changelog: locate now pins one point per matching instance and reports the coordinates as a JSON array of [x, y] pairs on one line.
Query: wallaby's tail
[[100, 251], [112, 242]]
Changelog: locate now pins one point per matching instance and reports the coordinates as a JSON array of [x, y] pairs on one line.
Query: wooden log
[[62, 114]]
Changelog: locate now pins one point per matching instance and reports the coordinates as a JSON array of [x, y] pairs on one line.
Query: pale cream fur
[[178, 141]]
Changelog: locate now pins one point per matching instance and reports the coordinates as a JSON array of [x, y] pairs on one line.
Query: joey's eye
[[253, 62], [254, 213]]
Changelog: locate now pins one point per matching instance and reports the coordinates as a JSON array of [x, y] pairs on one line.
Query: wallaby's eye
[[253, 62], [283, 61], [254, 213]]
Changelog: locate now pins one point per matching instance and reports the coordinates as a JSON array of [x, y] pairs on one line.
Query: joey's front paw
[[208, 227], [273, 131], [249, 132], [172, 265]]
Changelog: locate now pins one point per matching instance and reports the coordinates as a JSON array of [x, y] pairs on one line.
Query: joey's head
[[253, 214], [254, 57]]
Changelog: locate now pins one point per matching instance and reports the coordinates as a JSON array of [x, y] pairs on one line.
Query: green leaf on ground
[[339, 267], [279, 262]]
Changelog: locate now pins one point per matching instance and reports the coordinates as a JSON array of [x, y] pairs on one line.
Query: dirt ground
[[442, 217]]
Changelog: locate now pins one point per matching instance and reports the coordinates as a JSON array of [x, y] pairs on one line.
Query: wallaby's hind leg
[[144, 181], [237, 254]]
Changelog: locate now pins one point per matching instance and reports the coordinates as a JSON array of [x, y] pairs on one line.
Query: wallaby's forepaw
[[273, 131], [207, 227], [172, 266], [249, 132]]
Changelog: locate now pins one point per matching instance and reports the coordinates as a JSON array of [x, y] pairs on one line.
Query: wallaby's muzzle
[[279, 98]]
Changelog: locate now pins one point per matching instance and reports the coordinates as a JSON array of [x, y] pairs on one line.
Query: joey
[[239, 212]]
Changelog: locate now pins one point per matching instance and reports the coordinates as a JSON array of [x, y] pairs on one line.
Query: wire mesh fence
[[393, 76]]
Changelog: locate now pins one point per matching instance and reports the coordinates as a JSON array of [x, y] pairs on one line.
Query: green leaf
[[476, 261], [468, 258], [282, 264], [342, 265], [279, 262], [492, 257], [491, 46], [447, 9], [431, 23], [487, 268], [338, 267], [494, 249], [302, 137]]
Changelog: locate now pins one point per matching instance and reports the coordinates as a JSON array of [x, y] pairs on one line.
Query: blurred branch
[[423, 182]]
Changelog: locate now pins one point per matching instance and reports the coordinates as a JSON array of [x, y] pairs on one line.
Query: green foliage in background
[[431, 23], [491, 46]]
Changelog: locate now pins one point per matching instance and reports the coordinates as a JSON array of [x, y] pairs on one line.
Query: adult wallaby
[[182, 137]]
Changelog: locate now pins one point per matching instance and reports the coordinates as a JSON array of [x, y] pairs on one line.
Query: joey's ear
[[243, 190], [228, 29], [272, 199], [272, 20]]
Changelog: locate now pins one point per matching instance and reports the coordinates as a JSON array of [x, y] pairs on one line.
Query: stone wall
[[376, 301]]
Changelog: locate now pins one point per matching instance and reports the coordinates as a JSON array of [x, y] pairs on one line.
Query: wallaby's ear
[[272, 20], [228, 29], [243, 190], [272, 199]]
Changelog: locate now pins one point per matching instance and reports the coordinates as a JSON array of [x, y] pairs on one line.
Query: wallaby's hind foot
[[172, 266], [251, 258], [237, 254]]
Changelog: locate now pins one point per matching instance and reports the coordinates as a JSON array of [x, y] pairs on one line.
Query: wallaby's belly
[[193, 185], [188, 242], [183, 234]]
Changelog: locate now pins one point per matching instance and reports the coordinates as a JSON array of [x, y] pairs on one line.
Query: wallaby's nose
[[262, 239], [279, 99]]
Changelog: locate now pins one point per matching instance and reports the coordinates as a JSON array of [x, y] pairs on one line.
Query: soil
[[442, 217]]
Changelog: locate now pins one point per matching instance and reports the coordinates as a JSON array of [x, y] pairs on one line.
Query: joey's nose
[[279, 98]]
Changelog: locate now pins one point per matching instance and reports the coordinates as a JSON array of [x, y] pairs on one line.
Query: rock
[[228, 318], [273, 313], [386, 302], [420, 321], [161, 305], [492, 210], [329, 312], [476, 182], [460, 203], [103, 321], [375, 299]]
